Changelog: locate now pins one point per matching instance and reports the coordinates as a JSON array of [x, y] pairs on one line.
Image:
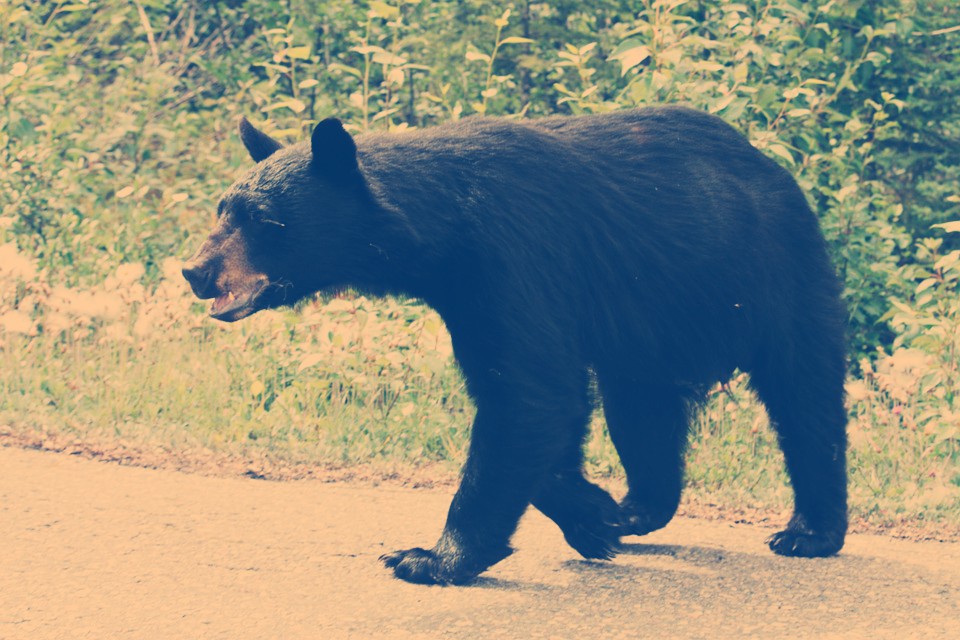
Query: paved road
[[94, 550]]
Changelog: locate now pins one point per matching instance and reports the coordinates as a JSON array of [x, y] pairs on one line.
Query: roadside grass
[[282, 382], [352, 381]]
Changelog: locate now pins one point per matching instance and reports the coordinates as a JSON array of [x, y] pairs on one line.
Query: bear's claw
[[805, 543]]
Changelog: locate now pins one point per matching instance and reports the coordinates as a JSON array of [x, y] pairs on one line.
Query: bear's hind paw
[[600, 541]]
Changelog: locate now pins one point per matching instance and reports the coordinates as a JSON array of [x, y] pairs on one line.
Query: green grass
[[319, 383]]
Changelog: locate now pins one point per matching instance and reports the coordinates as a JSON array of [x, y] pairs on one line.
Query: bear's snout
[[200, 277]]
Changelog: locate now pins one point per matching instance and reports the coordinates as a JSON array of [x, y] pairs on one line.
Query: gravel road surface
[[95, 550]]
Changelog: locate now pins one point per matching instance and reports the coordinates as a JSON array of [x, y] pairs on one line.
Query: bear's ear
[[334, 152], [260, 145]]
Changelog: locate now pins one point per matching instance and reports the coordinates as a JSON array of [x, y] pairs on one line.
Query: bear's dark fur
[[655, 249]]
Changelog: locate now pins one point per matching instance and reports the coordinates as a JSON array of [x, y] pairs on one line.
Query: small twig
[[54, 13], [940, 32], [188, 36], [189, 95], [223, 33], [205, 48], [172, 25], [145, 21]]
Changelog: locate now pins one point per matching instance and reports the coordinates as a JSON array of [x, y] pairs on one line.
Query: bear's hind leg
[[648, 424], [805, 403]]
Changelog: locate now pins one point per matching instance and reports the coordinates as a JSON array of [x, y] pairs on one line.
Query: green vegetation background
[[117, 136]]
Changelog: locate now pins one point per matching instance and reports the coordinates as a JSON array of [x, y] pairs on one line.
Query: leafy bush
[[117, 110]]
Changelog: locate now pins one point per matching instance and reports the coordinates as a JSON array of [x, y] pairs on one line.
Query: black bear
[[654, 249]]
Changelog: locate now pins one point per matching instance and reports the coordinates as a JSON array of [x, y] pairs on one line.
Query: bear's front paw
[[422, 566], [446, 563], [419, 566], [803, 543]]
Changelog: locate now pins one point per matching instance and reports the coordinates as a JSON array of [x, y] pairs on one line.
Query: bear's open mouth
[[233, 306], [238, 304]]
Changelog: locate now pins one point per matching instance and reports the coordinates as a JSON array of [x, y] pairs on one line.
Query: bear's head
[[298, 222]]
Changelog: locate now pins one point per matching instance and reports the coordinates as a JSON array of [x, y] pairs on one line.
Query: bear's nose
[[200, 278]]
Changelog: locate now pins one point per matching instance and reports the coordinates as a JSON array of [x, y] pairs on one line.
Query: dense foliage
[[857, 98], [117, 135]]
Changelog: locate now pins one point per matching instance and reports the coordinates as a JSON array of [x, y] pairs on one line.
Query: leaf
[[297, 53], [306, 84], [396, 76], [339, 305], [311, 359], [948, 260], [926, 284], [631, 57], [383, 10], [336, 66], [846, 192], [123, 193], [783, 152], [295, 105], [386, 113], [367, 49], [516, 40], [432, 325], [740, 72], [723, 103], [476, 55], [950, 227], [387, 58]]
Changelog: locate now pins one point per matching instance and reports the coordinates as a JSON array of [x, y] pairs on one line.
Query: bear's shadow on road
[[681, 563]]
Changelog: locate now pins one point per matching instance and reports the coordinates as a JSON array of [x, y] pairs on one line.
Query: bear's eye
[[263, 218], [276, 224]]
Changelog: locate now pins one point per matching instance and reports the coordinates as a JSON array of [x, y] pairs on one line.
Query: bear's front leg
[[507, 460]]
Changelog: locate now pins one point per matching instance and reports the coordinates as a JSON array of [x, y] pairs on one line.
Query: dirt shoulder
[[262, 464], [95, 550]]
